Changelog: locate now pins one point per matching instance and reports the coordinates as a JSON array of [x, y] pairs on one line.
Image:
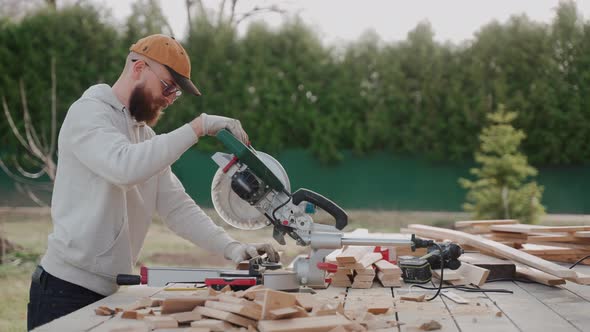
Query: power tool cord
[[468, 289], [280, 206], [442, 269], [579, 261]]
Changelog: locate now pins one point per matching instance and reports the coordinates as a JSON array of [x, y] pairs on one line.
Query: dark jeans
[[51, 298]]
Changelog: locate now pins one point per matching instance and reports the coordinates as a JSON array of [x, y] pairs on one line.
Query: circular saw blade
[[236, 211]]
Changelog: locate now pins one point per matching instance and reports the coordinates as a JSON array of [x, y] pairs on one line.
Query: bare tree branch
[[53, 109], [259, 10], [233, 11], [13, 127], [25, 172], [220, 14]]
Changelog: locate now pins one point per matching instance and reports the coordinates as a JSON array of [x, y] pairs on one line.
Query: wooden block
[[104, 311], [499, 268], [290, 312], [305, 300], [312, 324], [353, 254], [226, 316], [213, 324], [473, 274], [250, 310], [370, 258], [276, 300], [365, 272], [413, 297], [328, 309], [387, 267], [364, 277], [186, 317], [232, 299], [160, 322], [182, 304], [448, 274], [538, 276], [362, 284]]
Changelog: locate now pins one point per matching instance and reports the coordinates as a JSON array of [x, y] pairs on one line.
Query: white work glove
[[239, 252], [214, 123]]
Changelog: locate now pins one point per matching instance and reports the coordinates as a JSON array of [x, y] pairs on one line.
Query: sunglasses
[[169, 89]]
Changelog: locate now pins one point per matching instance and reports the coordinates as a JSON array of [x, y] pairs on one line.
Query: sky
[[339, 21]]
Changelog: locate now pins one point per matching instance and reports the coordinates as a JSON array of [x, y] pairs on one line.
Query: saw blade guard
[[232, 208]]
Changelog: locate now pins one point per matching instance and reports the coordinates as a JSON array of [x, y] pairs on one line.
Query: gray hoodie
[[113, 175]]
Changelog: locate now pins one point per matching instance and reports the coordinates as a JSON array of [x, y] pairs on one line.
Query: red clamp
[[328, 267]]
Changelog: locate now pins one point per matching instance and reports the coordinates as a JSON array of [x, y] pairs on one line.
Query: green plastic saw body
[[247, 155]]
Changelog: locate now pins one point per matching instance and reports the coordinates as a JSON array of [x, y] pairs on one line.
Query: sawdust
[[430, 326]]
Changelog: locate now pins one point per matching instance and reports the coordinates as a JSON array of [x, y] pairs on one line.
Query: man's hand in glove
[[239, 252], [210, 125]]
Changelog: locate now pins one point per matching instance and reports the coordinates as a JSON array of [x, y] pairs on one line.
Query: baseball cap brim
[[185, 84]]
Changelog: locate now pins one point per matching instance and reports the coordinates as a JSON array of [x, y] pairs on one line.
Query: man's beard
[[143, 107]]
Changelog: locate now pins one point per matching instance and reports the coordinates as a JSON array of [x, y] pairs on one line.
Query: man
[[114, 174]]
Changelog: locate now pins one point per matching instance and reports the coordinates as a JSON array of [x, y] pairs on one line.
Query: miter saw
[[251, 190]]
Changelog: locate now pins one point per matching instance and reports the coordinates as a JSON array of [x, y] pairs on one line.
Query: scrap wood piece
[[160, 322], [473, 274], [213, 324], [496, 248], [368, 259], [448, 274], [288, 312], [183, 304], [533, 274], [186, 317], [353, 254], [362, 284], [104, 311], [250, 310], [430, 326], [499, 268], [327, 309], [305, 300], [387, 267], [312, 323], [226, 316], [276, 300], [413, 297], [455, 297], [141, 303]]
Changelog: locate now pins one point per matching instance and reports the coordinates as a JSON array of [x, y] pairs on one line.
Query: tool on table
[[419, 269], [251, 190]]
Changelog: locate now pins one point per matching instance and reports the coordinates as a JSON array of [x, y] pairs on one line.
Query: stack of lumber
[[359, 265], [565, 244], [527, 264], [257, 309]]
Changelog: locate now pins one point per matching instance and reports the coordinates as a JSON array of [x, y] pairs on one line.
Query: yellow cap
[[167, 51]]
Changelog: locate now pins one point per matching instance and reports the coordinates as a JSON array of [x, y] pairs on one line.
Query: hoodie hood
[[104, 93]]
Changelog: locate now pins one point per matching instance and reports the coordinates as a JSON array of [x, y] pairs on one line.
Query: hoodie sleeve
[[185, 218], [97, 142]]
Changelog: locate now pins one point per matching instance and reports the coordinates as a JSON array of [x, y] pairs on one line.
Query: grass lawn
[[162, 248]]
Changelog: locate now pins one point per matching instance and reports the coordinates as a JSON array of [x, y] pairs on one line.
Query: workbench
[[532, 307]]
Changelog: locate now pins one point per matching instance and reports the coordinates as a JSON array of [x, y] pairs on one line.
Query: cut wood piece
[[308, 324], [226, 316], [499, 268], [353, 254], [364, 277], [290, 312], [471, 223], [413, 297], [327, 309], [362, 284], [213, 324], [473, 274], [160, 322], [370, 258], [250, 310], [533, 274], [305, 300], [365, 272], [186, 317], [387, 267], [141, 303], [448, 274], [182, 304], [276, 300], [496, 248]]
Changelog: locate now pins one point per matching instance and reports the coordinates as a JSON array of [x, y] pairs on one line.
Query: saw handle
[[322, 202]]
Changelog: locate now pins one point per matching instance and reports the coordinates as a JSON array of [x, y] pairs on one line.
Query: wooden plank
[[499, 268], [250, 310], [226, 316], [538, 276], [523, 228], [526, 311], [471, 223], [353, 254], [496, 248]]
